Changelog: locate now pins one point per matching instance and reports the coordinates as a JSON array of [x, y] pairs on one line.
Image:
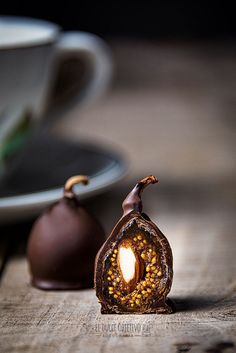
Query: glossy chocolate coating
[[134, 222], [62, 246]]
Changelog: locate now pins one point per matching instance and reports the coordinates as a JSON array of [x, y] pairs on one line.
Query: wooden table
[[172, 111]]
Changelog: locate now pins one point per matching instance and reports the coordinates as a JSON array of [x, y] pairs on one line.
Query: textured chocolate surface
[[154, 260]]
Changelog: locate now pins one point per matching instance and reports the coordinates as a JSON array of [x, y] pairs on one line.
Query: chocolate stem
[[68, 188], [133, 201]]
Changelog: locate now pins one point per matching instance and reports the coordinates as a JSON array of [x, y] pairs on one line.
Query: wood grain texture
[[178, 104], [203, 290]]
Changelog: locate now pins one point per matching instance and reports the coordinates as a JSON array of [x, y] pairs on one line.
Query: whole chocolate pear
[[63, 243]]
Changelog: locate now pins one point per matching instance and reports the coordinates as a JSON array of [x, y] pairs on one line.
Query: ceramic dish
[[38, 179]]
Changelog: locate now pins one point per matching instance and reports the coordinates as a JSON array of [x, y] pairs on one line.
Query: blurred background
[[170, 108], [170, 111], [150, 20]]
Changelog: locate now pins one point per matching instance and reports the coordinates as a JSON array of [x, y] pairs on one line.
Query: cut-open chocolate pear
[[133, 268]]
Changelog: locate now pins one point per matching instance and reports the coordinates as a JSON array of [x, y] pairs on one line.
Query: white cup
[[43, 73]]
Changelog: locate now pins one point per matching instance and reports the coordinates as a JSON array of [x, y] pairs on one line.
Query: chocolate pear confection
[[133, 268], [63, 243]]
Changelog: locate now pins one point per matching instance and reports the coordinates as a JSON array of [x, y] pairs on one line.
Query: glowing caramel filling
[[134, 273]]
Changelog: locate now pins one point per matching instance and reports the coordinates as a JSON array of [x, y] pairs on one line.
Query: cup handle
[[82, 69]]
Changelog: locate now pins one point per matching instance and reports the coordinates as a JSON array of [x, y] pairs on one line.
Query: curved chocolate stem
[[68, 188], [133, 201]]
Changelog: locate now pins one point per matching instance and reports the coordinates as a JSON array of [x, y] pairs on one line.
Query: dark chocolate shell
[[134, 267], [63, 243]]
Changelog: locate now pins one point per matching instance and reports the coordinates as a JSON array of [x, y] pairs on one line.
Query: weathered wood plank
[[204, 292]]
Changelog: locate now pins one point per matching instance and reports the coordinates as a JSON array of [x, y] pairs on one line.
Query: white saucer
[[37, 182]]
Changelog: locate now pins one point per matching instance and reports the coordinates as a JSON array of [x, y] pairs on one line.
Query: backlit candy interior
[[134, 271]]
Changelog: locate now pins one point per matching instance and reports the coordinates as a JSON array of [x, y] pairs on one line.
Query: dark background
[[146, 19]]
